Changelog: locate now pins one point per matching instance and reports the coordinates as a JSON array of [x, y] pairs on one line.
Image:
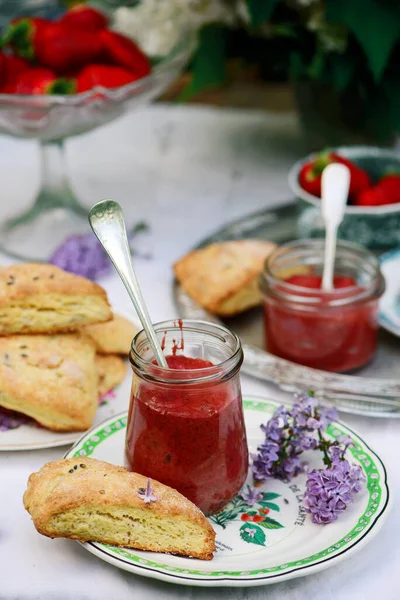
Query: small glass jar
[[332, 331], [186, 427]]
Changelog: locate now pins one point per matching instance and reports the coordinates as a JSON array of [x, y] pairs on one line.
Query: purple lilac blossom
[[288, 434], [251, 496], [11, 420], [329, 491], [82, 255], [147, 495]]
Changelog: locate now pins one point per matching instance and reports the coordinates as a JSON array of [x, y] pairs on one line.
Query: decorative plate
[[374, 390], [18, 432], [389, 315], [281, 543]]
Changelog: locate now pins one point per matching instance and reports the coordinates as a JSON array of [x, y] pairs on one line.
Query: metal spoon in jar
[[107, 221], [335, 186]]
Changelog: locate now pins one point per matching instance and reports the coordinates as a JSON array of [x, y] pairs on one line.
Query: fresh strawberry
[[359, 179], [3, 69], [53, 45], [14, 65], [85, 18], [64, 49], [373, 196], [107, 76], [122, 51], [21, 35], [390, 185], [37, 80], [311, 174]]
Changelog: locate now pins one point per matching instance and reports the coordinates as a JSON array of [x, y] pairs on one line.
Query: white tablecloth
[[186, 171]]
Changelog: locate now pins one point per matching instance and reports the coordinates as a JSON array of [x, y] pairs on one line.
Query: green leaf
[[270, 496], [271, 506], [375, 25], [261, 10], [208, 68], [342, 70], [251, 512], [271, 524], [258, 537]]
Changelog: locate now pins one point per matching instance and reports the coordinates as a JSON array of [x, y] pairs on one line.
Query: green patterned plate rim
[[368, 523]]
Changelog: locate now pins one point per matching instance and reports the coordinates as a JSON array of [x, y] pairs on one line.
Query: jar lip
[[166, 375], [337, 296]]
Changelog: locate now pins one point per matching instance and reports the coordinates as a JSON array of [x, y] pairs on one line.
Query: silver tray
[[374, 390]]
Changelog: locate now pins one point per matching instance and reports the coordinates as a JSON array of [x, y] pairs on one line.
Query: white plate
[[29, 436], [290, 546], [389, 313]]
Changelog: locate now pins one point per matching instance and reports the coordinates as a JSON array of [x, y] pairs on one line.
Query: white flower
[[157, 25]]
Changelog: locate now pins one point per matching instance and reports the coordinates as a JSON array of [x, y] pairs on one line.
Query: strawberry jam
[[186, 429], [331, 331]]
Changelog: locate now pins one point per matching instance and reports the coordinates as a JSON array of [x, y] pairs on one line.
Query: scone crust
[[51, 378], [114, 336], [111, 371], [33, 286], [55, 488], [217, 273]]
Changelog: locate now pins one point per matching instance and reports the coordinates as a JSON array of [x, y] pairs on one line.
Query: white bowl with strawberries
[[372, 216]]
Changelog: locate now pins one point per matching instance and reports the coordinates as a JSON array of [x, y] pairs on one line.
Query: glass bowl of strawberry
[[331, 331], [63, 73], [372, 216]]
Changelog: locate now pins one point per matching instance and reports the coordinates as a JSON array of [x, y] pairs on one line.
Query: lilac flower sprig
[[147, 494], [288, 434]]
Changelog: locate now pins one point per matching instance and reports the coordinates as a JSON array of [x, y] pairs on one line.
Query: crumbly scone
[[41, 298], [90, 500], [113, 337], [51, 378], [111, 371], [223, 277]]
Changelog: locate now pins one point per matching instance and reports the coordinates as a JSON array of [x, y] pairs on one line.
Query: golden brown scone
[[223, 277], [41, 298], [111, 371], [51, 378], [90, 500], [113, 337]]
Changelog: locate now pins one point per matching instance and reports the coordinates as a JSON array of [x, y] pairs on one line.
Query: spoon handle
[[330, 252], [107, 221]]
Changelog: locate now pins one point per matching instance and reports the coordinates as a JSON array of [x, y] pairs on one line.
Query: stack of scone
[[60, 345]]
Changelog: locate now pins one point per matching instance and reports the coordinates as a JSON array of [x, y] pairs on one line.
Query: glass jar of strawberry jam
[[332, 331], [185, 424]]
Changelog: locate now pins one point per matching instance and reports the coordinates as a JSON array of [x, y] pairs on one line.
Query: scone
[[111, 371], [113, 337], [41, 298], [223, 277], [51, 378], [90, 500]]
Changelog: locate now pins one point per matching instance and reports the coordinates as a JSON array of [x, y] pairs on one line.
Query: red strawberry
[[107, 76], [311, 173], [53, 45], [122, 51], [246, 517], [359, 179], [3, 69], [14, 65], [21, 35], [373, 196], [264, 511], [85, 18], [390, 186], [36, 81], [258, 519], [64, 49]]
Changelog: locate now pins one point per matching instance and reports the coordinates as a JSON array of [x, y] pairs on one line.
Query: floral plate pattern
[[264, 534]]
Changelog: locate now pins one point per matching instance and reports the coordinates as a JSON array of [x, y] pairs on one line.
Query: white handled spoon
[[335, 186], [107, 221]]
